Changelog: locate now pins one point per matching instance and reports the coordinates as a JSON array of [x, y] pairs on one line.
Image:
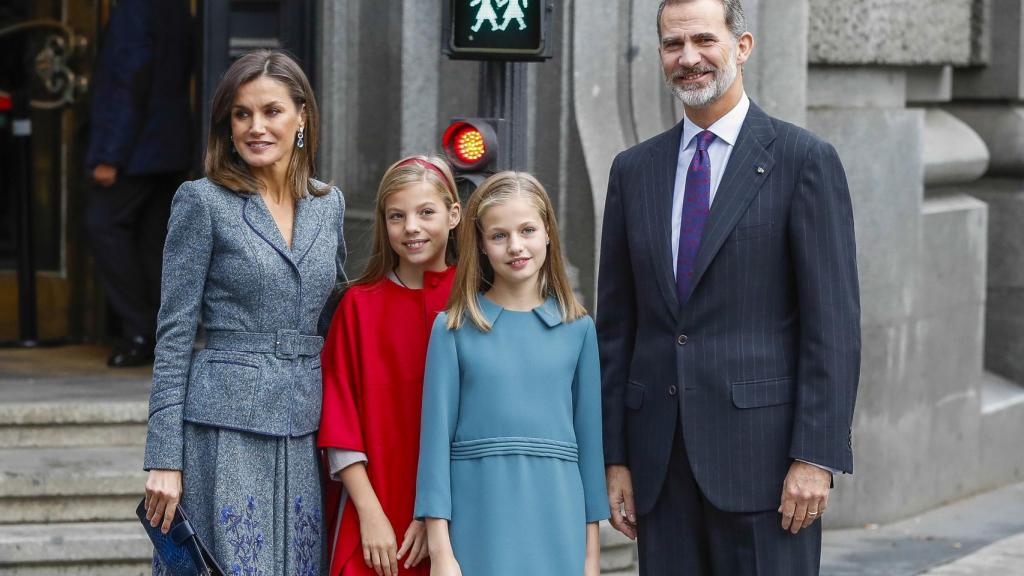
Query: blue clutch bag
[[180, 550]]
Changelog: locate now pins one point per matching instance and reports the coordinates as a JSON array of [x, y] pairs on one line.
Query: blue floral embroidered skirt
[[255, 500]]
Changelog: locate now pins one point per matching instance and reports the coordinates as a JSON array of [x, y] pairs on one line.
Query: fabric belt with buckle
[[283, 343]]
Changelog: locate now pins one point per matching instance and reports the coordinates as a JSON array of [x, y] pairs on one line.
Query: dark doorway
[[70, 303]]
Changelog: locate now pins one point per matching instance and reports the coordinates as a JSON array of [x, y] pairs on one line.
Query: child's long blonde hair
[[406, 172], [474, 273]]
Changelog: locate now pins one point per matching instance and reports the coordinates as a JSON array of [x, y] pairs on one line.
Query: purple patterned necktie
[[696, 207]]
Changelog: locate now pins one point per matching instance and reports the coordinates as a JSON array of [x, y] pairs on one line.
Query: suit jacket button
[[672, 390], [681, 340]]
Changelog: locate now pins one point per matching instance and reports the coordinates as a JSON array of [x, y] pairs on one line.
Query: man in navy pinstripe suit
[[728, 321]]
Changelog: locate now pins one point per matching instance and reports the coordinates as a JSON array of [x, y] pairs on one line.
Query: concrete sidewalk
[[980, 536], [1003, 557]]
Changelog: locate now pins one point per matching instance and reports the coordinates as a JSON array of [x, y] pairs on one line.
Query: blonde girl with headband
[[511, 473], [373, 372]]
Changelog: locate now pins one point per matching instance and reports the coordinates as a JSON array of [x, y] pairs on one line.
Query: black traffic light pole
[[503, 95], [21, 145]]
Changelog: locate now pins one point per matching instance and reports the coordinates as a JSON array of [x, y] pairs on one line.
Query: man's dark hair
[[734, 18]]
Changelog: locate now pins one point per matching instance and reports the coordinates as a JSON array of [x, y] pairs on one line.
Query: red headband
[[429, 166]]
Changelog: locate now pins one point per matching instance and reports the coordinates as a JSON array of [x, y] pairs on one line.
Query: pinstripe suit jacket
[[760, 366]]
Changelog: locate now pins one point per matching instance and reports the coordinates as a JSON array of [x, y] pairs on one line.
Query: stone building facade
[[922, 99]]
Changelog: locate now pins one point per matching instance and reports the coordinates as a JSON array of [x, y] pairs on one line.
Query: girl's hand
[[163, 493], [378, 540], [444, 565], [414, 544]]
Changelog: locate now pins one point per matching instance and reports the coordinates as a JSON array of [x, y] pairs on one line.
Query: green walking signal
[[516, 30]]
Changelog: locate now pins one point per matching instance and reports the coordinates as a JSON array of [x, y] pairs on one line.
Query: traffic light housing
[[476, 148], [518, 31]]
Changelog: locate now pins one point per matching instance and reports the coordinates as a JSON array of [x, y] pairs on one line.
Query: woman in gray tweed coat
[[255, 249]]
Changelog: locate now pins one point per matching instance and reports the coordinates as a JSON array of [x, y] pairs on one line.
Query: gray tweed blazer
[[260, 302]]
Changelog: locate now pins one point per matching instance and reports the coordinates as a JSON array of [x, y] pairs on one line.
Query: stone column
[[879, 143], [601, 83], [421, 58], [776, 75], [338, 56], [916, 427], [991, 94]]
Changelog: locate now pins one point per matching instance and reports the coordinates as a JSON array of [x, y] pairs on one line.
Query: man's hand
[[105, 175], [620, 499], [804, 495]]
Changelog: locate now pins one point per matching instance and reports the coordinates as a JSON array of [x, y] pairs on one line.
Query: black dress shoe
[[138, 352]]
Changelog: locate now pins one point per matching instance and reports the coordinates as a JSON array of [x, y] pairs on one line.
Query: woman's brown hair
[[474, 272], [227, 168], [406, 172]]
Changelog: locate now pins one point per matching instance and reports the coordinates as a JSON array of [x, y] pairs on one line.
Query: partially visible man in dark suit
[[728, 321], [139, 152]]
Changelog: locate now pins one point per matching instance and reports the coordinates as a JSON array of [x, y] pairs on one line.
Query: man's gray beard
[[712, 91]]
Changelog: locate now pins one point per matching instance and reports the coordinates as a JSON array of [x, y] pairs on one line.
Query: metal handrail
[[38, 23]]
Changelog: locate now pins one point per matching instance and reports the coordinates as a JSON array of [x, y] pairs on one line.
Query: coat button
[[681, 340], [672, 390]]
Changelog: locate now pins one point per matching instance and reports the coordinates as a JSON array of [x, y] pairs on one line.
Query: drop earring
[[302, 138]]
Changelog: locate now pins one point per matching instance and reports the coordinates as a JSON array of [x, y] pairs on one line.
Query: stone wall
[[890, 32]]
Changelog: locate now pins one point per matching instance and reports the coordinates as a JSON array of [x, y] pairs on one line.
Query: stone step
[[71, 423], [618, 553], [108, 548], [76, 549], [70, 484]]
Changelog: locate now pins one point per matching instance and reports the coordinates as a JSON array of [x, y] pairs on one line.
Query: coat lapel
[[257, 216], [658, 200], [748, 168], [308, 221]]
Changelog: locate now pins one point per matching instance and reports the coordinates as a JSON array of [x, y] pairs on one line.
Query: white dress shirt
[[726, 130]]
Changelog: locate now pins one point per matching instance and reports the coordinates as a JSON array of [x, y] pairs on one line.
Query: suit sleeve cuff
[[832, 471]]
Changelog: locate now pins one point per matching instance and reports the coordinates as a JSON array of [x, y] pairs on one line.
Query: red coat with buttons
[[373, 363]]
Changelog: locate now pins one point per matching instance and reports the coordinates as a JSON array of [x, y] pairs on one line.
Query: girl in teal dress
[[511, 471]]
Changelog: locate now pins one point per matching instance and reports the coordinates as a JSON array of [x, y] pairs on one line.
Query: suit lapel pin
[[760, 169]]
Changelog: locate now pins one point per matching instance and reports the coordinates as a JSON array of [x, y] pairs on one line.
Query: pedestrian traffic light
[[476, 148], [497, 29]]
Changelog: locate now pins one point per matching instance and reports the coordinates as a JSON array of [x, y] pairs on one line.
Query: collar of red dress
[[435, 279]]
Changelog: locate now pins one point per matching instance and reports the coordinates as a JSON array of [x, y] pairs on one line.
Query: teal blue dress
[[510, 449]]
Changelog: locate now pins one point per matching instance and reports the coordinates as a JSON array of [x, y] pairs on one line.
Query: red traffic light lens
[[469, 145], [5, 102]]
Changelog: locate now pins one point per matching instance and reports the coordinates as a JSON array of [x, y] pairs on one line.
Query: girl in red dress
[[373, 373]]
